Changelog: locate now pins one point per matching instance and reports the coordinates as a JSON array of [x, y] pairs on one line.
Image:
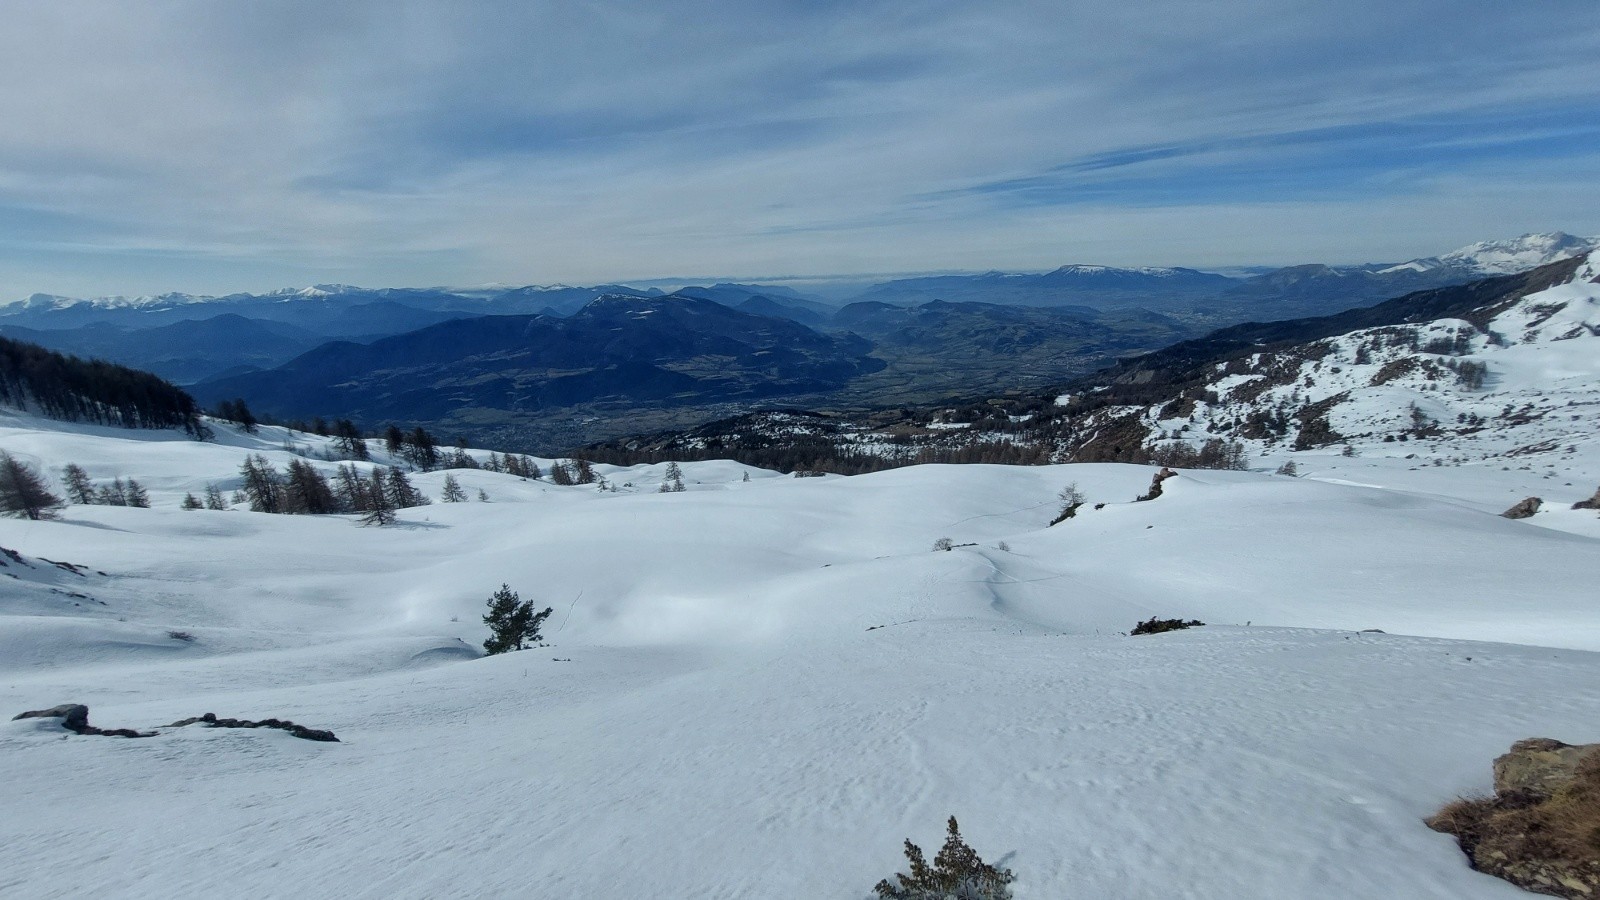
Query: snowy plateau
[[759, 687]]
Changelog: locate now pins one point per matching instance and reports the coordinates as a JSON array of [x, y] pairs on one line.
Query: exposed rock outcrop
[[1539, 829], [210, 720], [75, 718], [1538, 766], [1524, 509], [1155, 485]]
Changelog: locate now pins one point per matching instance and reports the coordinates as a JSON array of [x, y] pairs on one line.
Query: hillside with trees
[[77, 390]]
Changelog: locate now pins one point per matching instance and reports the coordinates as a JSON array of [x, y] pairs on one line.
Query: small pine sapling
[[513, 625], [957, 873]]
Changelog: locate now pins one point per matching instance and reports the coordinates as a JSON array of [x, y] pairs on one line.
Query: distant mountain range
[[326, 308], [1319, 289], [185, 351], [545, 381], [517, 359], [661, 351], [1496, 369], [333, 310], [1210, 299], [1068, 285]]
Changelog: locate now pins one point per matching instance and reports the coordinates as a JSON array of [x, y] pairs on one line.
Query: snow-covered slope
[[751, 676], [1506, 257], [1516, 388]]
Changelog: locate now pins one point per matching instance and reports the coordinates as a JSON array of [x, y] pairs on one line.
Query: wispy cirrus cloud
[[191, 145], [1366, 159]]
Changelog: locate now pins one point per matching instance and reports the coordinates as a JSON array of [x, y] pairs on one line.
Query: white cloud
[[204, 146]]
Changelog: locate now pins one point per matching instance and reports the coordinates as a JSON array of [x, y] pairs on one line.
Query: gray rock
[[1538, 766], [1537, 831], [210, 720], [1591, 503], [1525, 509], [73, 716], [1155, 485]]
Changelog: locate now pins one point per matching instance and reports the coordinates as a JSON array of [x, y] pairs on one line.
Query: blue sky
[[213, 147]]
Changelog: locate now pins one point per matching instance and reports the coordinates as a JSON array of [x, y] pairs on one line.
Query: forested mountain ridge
[[75, 390], [619, 350], [184, 351]]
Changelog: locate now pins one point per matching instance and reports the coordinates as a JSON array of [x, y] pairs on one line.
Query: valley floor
[[760, 689]]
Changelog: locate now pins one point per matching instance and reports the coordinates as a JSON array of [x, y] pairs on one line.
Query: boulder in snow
[[1538, 766], [75, 717], [1538, 830], [1524, 509]]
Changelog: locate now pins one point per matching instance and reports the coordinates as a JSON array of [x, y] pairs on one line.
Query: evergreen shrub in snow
[[513, 624], [957, 873], [1154, 625]]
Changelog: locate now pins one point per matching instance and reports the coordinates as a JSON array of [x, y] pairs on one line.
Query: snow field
[[760, 689]]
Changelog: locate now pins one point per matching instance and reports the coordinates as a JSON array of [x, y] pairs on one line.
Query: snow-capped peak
[[44, 301], [1152, 271], [53, 301], [314, 291], [1518, 254]]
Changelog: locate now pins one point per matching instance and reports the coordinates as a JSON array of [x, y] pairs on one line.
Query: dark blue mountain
[[617, 349]]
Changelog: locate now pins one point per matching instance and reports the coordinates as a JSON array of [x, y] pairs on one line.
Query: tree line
[[417, 447], [302, 489], [117, 492], [839, 457], [65, 387]]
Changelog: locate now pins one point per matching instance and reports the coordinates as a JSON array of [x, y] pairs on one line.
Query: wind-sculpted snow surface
[[761, 688]]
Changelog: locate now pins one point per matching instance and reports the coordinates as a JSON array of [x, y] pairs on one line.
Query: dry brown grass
[[1519, 832]]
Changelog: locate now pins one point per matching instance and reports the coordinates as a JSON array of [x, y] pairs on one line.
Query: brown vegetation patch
[[1541, 829], [1315, 429], [1398, 368]]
